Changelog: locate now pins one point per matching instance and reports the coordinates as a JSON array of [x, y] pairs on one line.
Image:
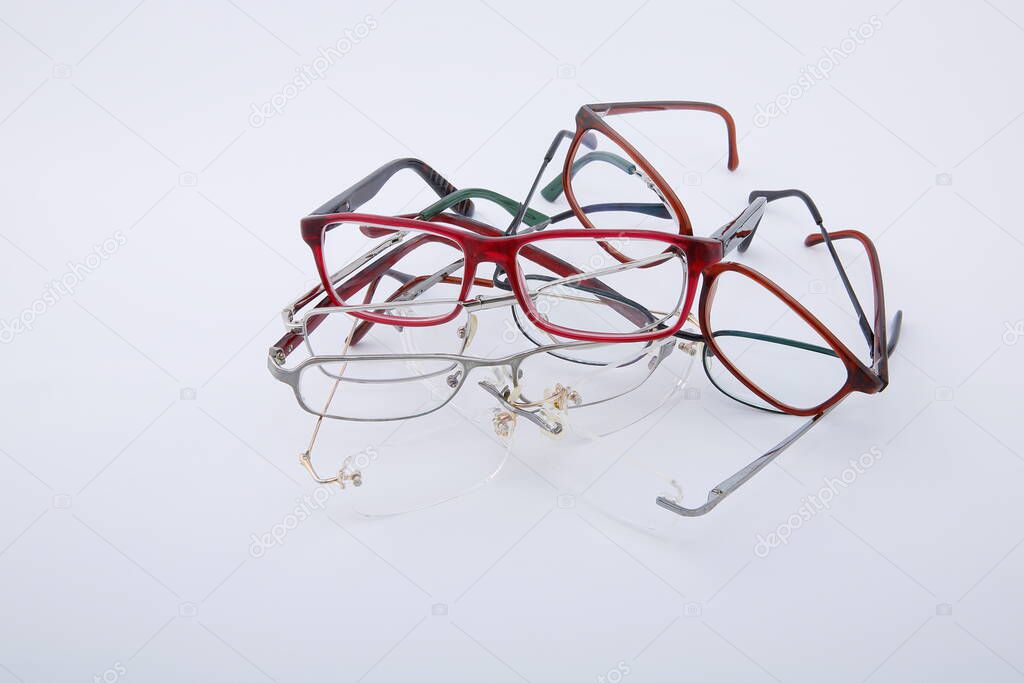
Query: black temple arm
[[773, 195], [589, 140], [365, 190], [743, 226]]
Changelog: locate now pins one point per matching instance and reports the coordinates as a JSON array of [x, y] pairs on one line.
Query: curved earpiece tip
[[896, 325], [589, 140], [468, 209], [552, 191], [813, 239]]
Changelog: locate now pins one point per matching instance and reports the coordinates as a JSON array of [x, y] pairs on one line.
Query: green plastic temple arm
[[776, 340], [553, 190], [531, 218]]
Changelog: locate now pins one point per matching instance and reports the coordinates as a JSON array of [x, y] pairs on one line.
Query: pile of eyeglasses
[[577, 332]]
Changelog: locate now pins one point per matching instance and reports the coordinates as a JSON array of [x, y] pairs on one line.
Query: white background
[[128, 507]]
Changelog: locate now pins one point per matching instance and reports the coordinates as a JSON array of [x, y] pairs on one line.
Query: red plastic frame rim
[[502, 251]]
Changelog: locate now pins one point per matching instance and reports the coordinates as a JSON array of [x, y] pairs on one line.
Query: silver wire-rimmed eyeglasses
[[415, 382], [390, 377]]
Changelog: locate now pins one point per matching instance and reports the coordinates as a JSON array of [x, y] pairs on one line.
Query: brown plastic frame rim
[[859, 377], [591, 117]]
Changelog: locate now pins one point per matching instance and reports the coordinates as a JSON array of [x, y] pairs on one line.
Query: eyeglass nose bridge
[[508, 425]]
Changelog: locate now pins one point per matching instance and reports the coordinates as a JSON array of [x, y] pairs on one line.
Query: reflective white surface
[[148, 462]]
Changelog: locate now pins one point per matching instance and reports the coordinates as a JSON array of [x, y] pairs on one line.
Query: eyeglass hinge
[[288, 317], [277, 355]]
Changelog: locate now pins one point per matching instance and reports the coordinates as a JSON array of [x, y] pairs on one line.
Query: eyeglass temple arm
[[292, 339], [356, 280], [728, 486], [318, 289], [413, 288], [718, 493], [895, 326], [367, 188], [553, 190], [616, 108], [531, 217], [739, 230], [881, 349], [653, 209], [589, 140], [773, 195]]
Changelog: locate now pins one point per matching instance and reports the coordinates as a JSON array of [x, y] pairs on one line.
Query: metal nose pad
[[505, 399], [689, 348], [509, 386], [652, 364], [504, 423], [554, 408], [561, 398], [467, 332]]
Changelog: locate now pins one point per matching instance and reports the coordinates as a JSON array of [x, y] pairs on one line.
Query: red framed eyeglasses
[[599, 299]]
